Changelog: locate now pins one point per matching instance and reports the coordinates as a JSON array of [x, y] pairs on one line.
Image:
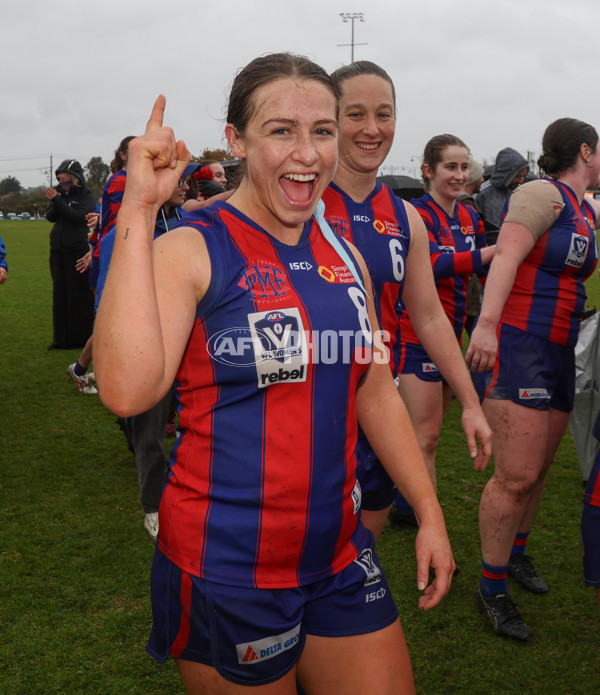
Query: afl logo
[[235, 346], [275, 316]]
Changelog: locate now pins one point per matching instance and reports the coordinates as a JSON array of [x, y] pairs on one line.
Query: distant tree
[[96, 174], [10, 185], [218, 155]]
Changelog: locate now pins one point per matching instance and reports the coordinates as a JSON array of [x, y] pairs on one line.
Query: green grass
[[74, 557]]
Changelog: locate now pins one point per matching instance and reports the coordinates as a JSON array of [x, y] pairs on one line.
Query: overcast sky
[[77, 77]]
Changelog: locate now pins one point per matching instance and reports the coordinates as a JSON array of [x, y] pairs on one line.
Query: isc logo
[[375, 595], [300, 265]]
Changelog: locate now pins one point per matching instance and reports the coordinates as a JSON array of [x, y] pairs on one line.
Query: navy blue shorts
[[255, 636], [414, 360], [530, 371], [590, 527], [377, 489]]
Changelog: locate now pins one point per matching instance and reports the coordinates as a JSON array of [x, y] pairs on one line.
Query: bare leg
[[200, 679], [558, 422], [425, 404], [520, 439], [377, 662], [86, 354]]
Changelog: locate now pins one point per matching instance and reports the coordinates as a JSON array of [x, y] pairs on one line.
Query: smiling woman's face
[[290, 148], [367, 123]]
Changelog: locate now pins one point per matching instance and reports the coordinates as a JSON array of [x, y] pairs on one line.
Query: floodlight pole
[[350, 17]]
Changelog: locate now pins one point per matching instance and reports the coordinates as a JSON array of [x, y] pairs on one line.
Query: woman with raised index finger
[[263, 572]]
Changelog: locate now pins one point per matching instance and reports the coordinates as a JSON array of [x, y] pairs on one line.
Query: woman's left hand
[[433, 550], [83, 263]]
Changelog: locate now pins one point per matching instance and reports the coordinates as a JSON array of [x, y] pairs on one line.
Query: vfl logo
[[279, 339], [267, 648], [264, 280], [429, 367], [365, 560], [577, 251]]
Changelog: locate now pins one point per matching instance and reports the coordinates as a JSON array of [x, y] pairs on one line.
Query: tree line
[[14, 198]]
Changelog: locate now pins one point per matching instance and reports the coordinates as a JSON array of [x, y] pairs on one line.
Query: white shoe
[[151, 524], [82, 382]]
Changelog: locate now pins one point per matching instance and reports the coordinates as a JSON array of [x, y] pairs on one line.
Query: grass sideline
[[74, 557]]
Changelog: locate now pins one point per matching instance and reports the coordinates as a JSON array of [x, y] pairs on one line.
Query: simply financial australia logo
[[280, 348]]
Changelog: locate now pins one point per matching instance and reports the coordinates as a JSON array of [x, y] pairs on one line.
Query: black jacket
[[68, 211]]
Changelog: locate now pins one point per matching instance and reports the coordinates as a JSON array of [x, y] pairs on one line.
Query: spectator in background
[[100, 223], [3, 263], [510, 171], [473, 184], [72, 299], [474, 288], [218, 173]]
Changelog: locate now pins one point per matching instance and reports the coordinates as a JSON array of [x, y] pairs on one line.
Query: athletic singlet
[[548, 296], [454, 247], [262, 486], [380, 229]]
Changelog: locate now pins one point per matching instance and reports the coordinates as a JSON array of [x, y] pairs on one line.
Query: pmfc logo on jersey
[[264, 280], [340, 226], [279, 344]]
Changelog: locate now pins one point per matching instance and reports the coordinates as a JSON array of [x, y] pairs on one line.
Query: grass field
[[74, 557]]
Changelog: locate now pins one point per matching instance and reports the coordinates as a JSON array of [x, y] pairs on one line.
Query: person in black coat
[[72, 299]]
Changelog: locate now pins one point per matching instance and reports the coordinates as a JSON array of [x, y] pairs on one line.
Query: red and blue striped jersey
[[262, 485], [380, 230], [548, 295], [455, 245], [112, 197]]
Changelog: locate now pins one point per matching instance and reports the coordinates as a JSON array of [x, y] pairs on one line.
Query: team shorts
[[255, 636], [414, 360], [377, 489], [530, 371], [590, 526]]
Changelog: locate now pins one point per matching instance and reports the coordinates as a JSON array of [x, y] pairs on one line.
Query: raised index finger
[[156, 117]]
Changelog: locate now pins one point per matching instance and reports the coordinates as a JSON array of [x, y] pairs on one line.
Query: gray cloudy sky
[[77, 77]]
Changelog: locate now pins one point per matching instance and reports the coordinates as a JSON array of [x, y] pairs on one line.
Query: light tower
[[350, 17]]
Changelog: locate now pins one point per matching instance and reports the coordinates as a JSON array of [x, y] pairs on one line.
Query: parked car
[[12, 216], [25, 216]]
